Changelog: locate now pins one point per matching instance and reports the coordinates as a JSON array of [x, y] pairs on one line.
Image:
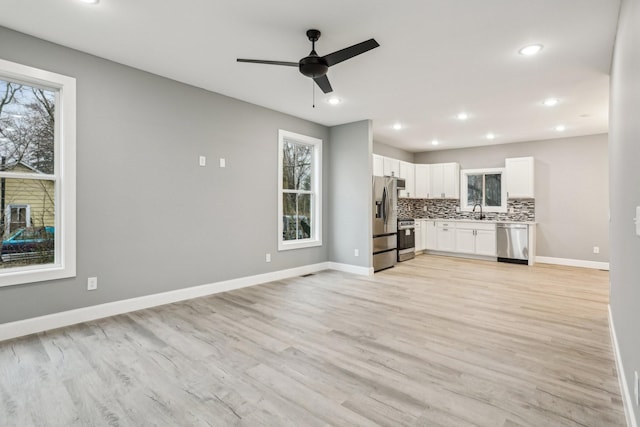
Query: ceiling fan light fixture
[[334, 100], [530, 50]]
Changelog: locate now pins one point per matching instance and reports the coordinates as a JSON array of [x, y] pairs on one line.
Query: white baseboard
[[624, 386], [573, 262], [66, 318], [353, 269]]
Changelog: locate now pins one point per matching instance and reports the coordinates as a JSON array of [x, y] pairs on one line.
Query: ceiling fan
[[315, 66]]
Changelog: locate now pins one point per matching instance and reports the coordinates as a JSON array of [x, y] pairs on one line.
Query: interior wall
[[149, 219], [571, 186], [393, 152], [350, 193], [624, 155]]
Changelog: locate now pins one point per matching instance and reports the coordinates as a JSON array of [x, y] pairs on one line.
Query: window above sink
[[486, 187]]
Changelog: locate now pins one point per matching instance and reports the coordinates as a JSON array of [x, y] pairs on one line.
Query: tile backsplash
[[518, 210]]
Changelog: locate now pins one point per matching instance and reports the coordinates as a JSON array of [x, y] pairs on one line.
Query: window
[[37, 174], [485, 187], [300, 197]]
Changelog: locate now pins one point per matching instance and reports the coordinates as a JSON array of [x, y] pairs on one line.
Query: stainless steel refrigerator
[[385, 222]]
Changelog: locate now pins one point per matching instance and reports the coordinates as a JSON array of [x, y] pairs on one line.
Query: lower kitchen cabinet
[[446, 236], [476, 238], [430, 235], [419, 245]]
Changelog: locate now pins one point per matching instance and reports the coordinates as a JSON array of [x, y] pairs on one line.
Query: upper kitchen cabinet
[[520, 177], [378, 165], [423, 180], [445, 181], [407, 172], [391, 167]]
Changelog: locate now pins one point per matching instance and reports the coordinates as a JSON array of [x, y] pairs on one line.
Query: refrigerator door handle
[[384, 205]]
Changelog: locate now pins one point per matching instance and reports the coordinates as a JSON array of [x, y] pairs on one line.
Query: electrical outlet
[[223, 163], [596, 249], [92, 283], [424, 209], [636, 386], [203, 161], [356, 252], [267, 258]]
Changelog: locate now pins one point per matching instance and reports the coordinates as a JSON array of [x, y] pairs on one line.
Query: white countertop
[[487, 221]]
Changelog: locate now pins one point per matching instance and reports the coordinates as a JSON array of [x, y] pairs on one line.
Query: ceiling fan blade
[[259, 61], [349, 52], [323, 83]]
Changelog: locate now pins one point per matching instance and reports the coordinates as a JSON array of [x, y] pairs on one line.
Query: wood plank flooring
[[435, 341]]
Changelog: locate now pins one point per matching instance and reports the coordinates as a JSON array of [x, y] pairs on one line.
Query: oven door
[[406, 243]]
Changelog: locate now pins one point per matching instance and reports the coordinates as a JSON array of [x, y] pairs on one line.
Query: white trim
[[464, 173], [316, 191], [66, 318], [625, 391], [573, 262], [64, 177], [353, 269]]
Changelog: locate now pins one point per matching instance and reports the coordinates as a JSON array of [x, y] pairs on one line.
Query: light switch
[[203, 161], [637, 220], [223, 163]]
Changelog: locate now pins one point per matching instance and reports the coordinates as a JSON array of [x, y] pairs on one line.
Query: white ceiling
[[436, 59]]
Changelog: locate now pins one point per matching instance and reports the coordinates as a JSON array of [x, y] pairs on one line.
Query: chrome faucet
[[474, 209]]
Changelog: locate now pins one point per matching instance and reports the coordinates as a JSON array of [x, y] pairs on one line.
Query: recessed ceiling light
[[334, 100], [491, 136], [550, 102], [435, 142], [397, 126], [90, 1], [560, 128], [530, 50], [462, 116]]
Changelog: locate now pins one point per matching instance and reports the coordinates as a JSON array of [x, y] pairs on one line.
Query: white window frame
[[64, 176], [7, 216], [316, 191], [464, 189]]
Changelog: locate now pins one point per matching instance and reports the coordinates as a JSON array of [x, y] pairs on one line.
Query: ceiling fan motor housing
[[313, 66]]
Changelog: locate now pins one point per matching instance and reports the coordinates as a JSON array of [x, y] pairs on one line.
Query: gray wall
[[393, 152], [149, 218], [571, 184], [624, 158], [350, 193]]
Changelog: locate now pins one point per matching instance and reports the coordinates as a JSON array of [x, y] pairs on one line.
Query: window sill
[[285, 246], [36, 274]]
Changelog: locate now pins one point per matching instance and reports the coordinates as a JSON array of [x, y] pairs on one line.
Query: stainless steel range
[[406, 239]]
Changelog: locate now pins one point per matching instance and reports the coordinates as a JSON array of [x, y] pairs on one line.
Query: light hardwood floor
[[435, 341]]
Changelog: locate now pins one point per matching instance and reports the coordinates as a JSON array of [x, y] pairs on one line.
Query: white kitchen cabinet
[[407, 172], [476, 238], [445, 181], [423, 180], [378, 165], [520, 177], [430, 235], [418, 233], [446, 236], [390, 167]]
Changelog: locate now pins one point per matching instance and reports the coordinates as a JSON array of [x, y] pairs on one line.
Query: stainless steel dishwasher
[[512, 242]]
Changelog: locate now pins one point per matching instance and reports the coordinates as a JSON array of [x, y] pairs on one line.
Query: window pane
[[304, 157], [493, 190], [27, 128], [304, 217], [289, 216], [474, 189], [27, 222], [288, 166]]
